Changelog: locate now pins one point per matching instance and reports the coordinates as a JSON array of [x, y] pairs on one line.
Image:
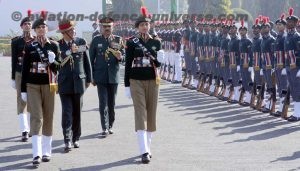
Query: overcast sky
[[86, 7]]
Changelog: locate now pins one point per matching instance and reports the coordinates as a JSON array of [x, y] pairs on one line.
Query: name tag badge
[[82, 48], [146, 61], [99, 45], [41, 67]]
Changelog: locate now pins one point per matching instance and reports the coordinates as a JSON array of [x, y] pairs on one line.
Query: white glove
[[181, 52], [13, 84], [160, 56], [24, 96], [51, 57], [127, 92], [272, 70], [283, 71], [196, 59], [238, 68], [250, 69], [298, 74], [261, 73]]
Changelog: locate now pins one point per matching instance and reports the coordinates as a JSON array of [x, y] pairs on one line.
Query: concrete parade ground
[[195, 132]]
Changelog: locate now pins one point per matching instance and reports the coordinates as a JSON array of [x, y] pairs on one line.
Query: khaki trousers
[[144, 95], [21, 105], [40, 101]]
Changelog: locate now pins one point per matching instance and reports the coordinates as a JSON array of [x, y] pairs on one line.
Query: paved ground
[[195, 132]]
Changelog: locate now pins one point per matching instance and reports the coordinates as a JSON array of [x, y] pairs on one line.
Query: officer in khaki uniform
[[105, 55], [74, 77], [18, 45], [38, 87], [142, 82]]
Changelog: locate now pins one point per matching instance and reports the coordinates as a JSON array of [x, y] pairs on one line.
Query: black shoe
[[46, 158], [276, 114], [36, 161], [245, 104], [105, 133], [145, 158], [110, 131], [233, 101], [76, 144], [68, 146], [25, 136], [293, 119], [265, 110]]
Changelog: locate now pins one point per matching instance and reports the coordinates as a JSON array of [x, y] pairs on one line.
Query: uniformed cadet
[[292, 50], [186, 48], [224, 63], [218, 63], [105, 56], [234, 58], [200, 55], [38, 88], [267, 50], [74, 77], [18, 45], [206, 54], [256, 92], [280, 71], [142, 82], [193, 82], [214, 57], [177, 36], [245, 64]]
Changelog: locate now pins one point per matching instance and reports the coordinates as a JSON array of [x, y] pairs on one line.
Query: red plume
[[43, 14], [256, 21], [260, 18], [268, 19], [291, 11], [282, 16], [242, 22], [29, 13], [264, 20], [144, 11], [215, 20]]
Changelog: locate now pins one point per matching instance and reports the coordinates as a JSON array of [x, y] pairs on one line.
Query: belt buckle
[[146, 61], [41, 67]]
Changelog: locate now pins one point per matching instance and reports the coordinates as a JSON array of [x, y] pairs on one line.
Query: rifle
[[286, 102], [260, 96], [253, 94]]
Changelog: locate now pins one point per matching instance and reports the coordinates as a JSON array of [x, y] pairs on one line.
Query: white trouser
[[36, 145], [178, 67], [296, 109], [47, 145], [144, 140], [24, 122]]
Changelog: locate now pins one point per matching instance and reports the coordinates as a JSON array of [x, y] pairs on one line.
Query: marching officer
[[186, 48], [292, 51], [105, 56], [74, 77], [38, 88], [18, 45], [280, 70], [246, 64], [142, 82]]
